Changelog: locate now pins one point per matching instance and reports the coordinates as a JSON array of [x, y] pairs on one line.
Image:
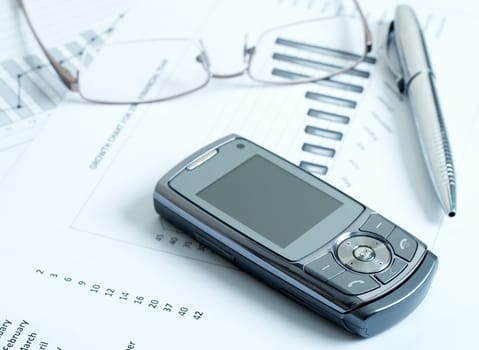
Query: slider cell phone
[[298, 234]]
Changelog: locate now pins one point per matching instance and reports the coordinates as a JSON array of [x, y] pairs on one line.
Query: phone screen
[[269, 200]]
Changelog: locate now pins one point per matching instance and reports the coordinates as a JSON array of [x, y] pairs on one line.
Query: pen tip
[[452, 214]]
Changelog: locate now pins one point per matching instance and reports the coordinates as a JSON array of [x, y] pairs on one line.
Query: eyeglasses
[[155, 70]]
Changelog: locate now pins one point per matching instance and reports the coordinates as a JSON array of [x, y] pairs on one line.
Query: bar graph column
[[332, 101], [30, 89], [47, 75], [28, 85], [12, 99]]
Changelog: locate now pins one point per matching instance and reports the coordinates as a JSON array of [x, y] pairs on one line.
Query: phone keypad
[[363, 262]]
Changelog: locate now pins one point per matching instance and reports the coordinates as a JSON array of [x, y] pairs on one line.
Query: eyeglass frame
[[72, 82]]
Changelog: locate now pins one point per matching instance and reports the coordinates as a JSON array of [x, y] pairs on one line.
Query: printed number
[[95, 288], [153, 303], [109, 292]]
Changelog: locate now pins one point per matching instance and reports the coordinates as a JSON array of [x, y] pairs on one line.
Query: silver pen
[[418, 85]]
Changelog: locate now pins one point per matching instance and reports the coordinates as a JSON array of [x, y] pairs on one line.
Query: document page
[[88, 263]]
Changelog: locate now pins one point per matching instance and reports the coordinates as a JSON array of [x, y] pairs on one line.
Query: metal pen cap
[[418, 85]]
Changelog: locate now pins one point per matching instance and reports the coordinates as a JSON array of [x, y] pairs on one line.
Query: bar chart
[[30, 89], [332, 101]]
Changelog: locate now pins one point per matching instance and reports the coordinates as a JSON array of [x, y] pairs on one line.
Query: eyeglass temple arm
[[65, 75], [368, 38]]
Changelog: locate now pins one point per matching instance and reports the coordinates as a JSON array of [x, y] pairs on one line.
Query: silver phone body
[[351, 265]]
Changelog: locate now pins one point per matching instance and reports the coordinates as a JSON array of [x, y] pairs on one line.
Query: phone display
[[254, 184], [298, 234]]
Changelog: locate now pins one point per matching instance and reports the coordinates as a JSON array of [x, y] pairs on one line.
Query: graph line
[[28, 84]]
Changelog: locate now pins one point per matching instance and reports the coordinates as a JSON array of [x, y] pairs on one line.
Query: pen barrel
[[433, 137], [410, 44]]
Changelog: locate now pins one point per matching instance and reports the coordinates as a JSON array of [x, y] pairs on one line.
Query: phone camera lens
[[240, 146]]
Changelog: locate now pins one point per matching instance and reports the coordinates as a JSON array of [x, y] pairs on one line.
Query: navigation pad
[[373, 256], [364, 254]]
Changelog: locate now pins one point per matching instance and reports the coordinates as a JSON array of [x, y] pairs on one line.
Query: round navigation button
[[364, 253]]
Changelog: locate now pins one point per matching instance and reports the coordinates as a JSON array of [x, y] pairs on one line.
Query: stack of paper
[[87, 263]]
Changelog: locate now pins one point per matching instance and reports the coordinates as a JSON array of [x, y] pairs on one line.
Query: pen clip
[[389, 47]]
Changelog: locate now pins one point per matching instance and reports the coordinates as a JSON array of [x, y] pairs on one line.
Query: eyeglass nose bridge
[[203, 58]]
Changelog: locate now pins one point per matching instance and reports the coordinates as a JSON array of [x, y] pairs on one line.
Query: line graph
[[29, 87]]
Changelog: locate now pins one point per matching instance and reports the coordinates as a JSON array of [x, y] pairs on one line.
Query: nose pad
[[203, 57], [391, 58], [248, 51], [203, 60]]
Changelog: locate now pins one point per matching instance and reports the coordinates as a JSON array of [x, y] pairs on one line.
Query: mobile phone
[[298, 234]]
